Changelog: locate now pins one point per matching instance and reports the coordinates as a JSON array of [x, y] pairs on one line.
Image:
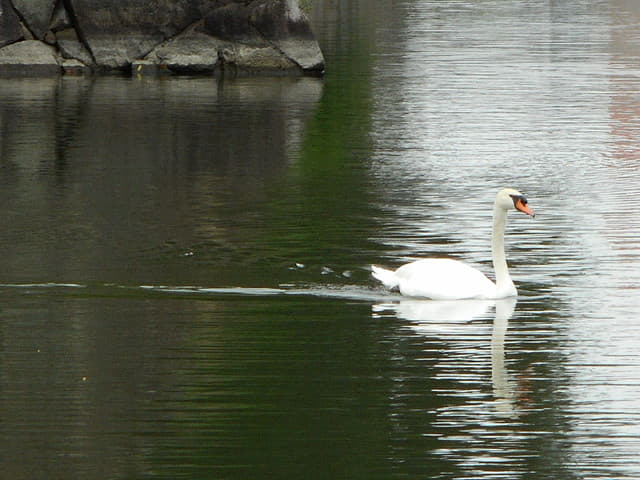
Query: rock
[[72, 66], [28, 58], [231, 22], [247, 50], [10, 30], [26, 33], [74, 49], [117, 36], [147, 68], [305, 53], [60, 18], [185, 36], [36, 14], [287, 27], [197, 52], [192, 52], [254, 60], [71, 47], [118, 53], [49, 38]]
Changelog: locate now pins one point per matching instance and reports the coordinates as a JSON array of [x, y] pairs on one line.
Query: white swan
[[447, 279]]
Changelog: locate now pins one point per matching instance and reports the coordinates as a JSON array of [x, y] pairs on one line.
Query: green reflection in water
[[322, 212], [276, 388]]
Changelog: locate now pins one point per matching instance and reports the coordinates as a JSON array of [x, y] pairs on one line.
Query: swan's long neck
[[503, 280]]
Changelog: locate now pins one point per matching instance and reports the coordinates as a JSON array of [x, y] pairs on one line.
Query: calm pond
[[185, 287]]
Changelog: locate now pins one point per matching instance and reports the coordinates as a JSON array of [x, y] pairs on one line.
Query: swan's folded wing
[[443, 279]]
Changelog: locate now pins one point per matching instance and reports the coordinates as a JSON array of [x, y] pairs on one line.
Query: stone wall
[[41, 37]]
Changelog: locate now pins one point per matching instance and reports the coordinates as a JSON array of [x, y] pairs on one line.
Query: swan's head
[[509, 198]]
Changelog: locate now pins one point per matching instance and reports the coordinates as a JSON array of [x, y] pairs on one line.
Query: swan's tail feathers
[[387, 277]]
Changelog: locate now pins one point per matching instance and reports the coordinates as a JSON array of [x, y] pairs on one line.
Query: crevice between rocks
[[73, 18], [23, 22]]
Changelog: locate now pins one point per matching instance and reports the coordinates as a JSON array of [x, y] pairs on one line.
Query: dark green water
[[185, 289]]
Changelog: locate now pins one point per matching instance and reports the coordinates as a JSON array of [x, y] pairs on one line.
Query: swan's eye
[[519, 198]]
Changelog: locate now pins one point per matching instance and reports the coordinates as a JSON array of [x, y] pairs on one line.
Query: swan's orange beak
[[524, 208]]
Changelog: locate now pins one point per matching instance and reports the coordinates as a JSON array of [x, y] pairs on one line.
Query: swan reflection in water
[[453, 319], [504, 391]]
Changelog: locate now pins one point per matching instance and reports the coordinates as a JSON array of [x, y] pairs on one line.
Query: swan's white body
[[447, 279], [440, 279]]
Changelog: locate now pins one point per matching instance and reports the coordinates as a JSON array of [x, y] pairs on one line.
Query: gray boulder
[[231, 22], [74, 67], [117, 35], [10, 30], [36, 14], [192, 52], [60, 19], [284, 24], [274, 31], [28, 58], [72, 48], [256, 60], [197, 52], [183, 36]]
